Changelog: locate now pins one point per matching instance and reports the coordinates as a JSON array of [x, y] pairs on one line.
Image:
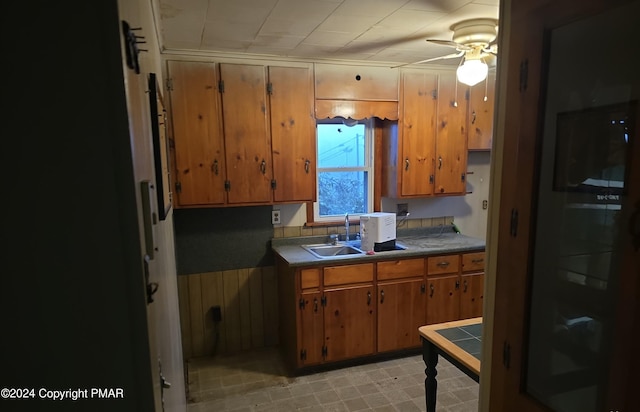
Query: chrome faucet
[[346, 226]]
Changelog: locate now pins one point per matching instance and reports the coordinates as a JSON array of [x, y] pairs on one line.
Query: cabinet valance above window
[[356, 92], [356, 109]]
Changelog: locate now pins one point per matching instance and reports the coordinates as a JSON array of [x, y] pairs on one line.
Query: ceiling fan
[[474, 41]]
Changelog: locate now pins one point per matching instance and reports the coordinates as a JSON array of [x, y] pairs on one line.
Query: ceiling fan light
[[472, 72]]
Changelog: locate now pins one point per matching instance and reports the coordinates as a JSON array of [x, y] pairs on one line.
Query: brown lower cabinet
[[339, 312], [401, 303], [455, 287]]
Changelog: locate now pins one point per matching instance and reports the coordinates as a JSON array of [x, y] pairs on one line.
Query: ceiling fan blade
[[449, 43], [447, 56]]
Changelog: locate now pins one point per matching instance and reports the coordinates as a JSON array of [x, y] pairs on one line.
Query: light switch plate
[[275, 217]]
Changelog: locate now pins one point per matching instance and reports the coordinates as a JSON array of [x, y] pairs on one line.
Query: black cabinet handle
[[263, 167], [406, 164], [306, 166], [382, 296], [465, 286], [368, 298], [315, 304], [432, 289]]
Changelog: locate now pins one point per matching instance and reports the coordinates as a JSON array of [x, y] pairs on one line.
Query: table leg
[[430, 357]]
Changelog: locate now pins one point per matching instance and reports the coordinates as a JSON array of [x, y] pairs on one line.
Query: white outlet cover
[[275, 217]]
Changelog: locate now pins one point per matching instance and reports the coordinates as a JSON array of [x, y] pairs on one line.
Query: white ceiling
[[389, 31]]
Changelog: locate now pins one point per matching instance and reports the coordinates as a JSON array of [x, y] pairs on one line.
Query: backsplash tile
[[296, 231]]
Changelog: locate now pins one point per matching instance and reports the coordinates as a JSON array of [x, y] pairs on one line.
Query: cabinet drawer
[[443, 264], [405, 268], [473, 262], [310, 278], [342, 275]]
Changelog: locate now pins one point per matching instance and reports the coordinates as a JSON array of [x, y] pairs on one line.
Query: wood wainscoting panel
[[248, 303], [270, 308], [256, 301], [196, 314], [211, 291], [185, 319]]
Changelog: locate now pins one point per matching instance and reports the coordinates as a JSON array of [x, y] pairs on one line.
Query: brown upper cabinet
[[246, 131], [197, 136], [344, 82], [451, 136], [293, 134], [240, 135], [480, 116], [357, 92], [426, 153]]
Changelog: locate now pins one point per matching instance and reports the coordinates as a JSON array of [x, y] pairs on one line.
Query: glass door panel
[[590, 119]]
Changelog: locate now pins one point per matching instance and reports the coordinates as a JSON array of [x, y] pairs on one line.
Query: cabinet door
[[471, 295], [443, 299], [198, 146], [349, 319], [342, 82], [451, 137], [292, 134], [480, 116], [401, 311], [567, 313], [246, 132], [310, 329], [417, 128]]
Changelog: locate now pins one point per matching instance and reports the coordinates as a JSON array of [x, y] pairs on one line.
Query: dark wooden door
[[292, 134], [443, 298], [417, 130], [197, 138], [311, 329], [566, 322], [401, 311], [480, 114], [246, 133], [349, 317], [451, 137], [471, 295]]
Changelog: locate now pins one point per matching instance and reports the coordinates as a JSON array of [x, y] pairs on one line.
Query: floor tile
[[257, 382]]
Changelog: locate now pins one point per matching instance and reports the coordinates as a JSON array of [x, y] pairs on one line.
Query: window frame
[[313, 215]]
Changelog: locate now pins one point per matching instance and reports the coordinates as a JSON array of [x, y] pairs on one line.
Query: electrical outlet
[[485, 204], [403, 209], [275, 217]]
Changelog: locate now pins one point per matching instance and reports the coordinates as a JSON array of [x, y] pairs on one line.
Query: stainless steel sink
[[324, 251]]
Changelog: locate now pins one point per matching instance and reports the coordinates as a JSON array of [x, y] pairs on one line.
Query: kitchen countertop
[[418, 242]]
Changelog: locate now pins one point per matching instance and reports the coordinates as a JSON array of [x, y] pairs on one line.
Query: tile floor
[[256, 381]]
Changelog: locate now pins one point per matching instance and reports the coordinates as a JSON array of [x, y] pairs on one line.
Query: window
[[345, 170]]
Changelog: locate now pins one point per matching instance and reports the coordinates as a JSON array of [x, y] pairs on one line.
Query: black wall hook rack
[[131, 41]]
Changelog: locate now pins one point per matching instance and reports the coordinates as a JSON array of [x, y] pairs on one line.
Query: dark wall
[[215, 239]]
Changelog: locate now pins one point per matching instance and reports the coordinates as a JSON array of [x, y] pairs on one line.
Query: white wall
[[163, 314], [467, 210]]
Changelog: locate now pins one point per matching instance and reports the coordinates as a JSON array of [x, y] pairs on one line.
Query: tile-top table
[[459, 342]]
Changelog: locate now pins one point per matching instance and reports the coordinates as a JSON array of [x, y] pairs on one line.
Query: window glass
[[344, 169]]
